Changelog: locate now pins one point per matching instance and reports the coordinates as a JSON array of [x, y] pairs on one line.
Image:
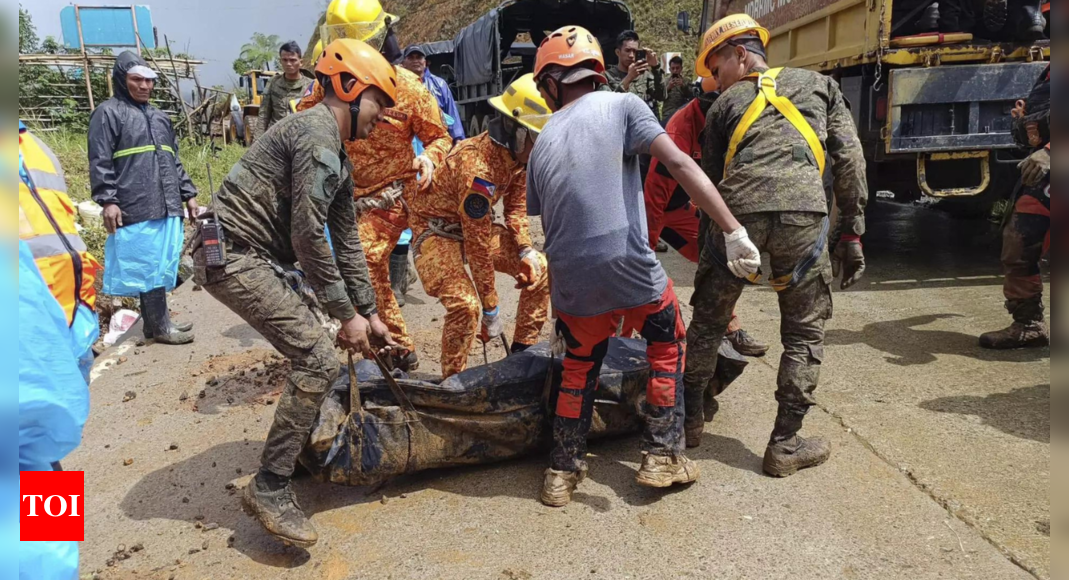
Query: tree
[[28, 39], [261, 52]]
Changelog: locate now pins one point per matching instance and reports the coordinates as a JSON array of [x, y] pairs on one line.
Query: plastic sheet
[[143, 257], [483, 415]]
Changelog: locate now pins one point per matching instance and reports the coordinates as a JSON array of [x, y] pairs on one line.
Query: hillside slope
[[431, 20]]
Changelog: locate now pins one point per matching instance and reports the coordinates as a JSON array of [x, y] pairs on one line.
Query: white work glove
[[743, 256], [532, 268], [425, 167], [1035, 168], [493, 325], [557, 345]]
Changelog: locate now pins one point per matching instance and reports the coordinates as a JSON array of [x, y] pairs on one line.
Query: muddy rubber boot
[[747, 345], [789, 457], [278, 512], [1018, 335], [559, 486], [157, 317], [399, 277], [661, 471], [1032, 25], [996, 15]]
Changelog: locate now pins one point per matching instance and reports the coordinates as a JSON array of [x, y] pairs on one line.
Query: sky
[[210, 30]]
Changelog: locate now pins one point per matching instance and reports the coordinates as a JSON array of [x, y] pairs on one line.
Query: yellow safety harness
[[766, 95]]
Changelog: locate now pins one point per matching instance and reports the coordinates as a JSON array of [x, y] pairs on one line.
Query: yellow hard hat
[[523, 103], [317, 52], [364, 18], [724, 30]]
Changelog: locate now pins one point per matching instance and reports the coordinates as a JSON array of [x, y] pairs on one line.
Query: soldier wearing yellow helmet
[[765, 145], [453, 221]]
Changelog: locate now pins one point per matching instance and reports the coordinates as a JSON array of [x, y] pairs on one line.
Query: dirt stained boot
[[270, 499], [787, 452], [747, 345], [1018, 335], [661, 471], [399, 277], [1031, 24], [158, 325], [559, 486]]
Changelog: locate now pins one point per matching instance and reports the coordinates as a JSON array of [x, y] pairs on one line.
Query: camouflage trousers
[[441, 269], [379, 232], [805, 306], [250, 287], [587, 339], [1024, 241]]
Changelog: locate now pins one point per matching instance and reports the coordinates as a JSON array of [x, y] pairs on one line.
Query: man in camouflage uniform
[[642, 77], [679, 91], [453, 222], [773, 183], [387, 160], [1027, 237], [274, 207], [285, 89]]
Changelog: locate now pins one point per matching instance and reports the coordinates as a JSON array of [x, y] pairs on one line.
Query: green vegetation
[[261, 53]]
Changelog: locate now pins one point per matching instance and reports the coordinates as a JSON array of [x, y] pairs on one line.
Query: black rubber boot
[[270, 499], [399, 276], [157, 316], [1031, 24]]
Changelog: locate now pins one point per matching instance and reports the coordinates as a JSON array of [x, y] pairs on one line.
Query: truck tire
[[475, 126], [996, 14], [237, 129], [252, 124]]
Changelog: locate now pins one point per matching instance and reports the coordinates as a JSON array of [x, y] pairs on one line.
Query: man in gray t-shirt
[[584, 180], [585, 170]]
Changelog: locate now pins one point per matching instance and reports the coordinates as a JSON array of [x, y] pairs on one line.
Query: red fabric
[[684, 129], [684, 222], [590, 332]]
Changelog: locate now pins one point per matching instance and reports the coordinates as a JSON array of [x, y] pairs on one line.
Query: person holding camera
[[637, 72], [679, 92]]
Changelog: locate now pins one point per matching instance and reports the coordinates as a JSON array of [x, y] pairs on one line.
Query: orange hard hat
[[569, 47], [709, 85], [365, 64], [724, 30]]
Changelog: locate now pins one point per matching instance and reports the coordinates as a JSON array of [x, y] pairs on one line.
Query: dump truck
[[932, 111], [500, 46]]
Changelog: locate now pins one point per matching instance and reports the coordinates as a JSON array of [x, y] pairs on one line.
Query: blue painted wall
[[107, 27]]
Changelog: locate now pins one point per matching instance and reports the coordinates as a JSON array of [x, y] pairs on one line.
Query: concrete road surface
[[941, 464]]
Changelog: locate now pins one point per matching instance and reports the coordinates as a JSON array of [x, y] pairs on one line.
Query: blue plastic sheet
[[143, 257], [53, 406]]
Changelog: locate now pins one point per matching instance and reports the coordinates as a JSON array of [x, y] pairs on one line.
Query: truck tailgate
[[957, 108]]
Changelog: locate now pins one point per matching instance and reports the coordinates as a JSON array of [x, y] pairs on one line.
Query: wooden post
[[85, 59], [137, 34], [178, 88]]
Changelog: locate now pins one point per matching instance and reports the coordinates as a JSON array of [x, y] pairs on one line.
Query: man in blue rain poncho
[[53, 407], [138, 178]]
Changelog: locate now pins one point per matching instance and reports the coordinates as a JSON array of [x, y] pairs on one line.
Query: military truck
[[933, 111], [500, 46]]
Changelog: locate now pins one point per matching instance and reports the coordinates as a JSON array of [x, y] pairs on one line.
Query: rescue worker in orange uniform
[[453, 222], [389, 167], [673, 217]]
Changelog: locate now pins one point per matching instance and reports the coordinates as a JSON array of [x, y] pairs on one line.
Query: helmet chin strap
[[354, 117]]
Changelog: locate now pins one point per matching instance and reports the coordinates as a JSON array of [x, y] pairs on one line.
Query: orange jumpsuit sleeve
[[476, 217], [658, 192], [516, 211], [427, 124]]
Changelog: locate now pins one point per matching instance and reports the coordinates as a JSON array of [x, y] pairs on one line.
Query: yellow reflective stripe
[[134, 151], [767, 94], [167, 148]]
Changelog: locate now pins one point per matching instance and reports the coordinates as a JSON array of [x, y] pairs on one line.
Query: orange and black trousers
[[1024, 243], [587, 339]]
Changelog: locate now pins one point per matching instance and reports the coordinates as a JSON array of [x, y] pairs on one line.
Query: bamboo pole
[[178, 88], [88, 71], [137, 34]]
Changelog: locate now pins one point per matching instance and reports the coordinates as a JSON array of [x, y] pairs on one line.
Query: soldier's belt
[[800, 271]]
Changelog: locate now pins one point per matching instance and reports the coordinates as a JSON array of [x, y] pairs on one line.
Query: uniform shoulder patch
[[478, 201]]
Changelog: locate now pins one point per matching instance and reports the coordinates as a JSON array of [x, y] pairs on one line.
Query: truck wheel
[[475, 126], [251, 123], [996, 14]]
